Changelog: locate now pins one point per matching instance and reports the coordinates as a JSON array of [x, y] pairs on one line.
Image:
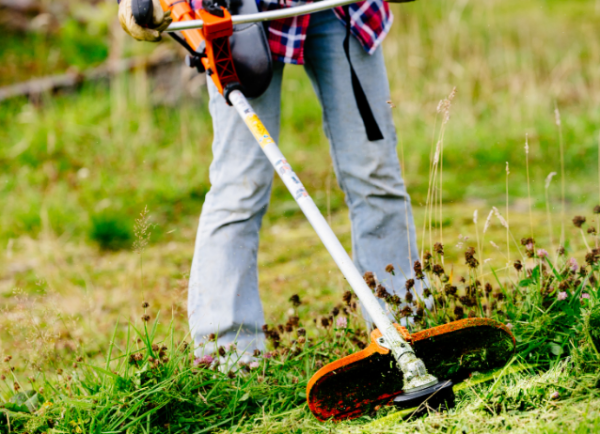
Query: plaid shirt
[[370, 22]]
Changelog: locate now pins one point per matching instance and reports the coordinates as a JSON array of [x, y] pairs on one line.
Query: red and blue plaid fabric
[[370, 22]]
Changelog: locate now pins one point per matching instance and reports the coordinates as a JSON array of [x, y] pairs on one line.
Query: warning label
[[258, 130]]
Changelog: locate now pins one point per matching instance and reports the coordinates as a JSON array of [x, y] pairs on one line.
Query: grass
[[77, 169]]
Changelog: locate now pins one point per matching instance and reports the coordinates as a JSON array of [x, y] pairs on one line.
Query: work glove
[[160, 21]]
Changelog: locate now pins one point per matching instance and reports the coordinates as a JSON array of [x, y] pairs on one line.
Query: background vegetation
[[77, 168]]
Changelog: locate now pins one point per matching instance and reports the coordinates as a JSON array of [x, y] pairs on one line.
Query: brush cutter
[[397, 367]]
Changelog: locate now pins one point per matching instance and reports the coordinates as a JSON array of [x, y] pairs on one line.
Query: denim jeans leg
[[223, 293], [383, 230]]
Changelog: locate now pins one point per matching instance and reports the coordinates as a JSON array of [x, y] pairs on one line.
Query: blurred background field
[[77, 166]]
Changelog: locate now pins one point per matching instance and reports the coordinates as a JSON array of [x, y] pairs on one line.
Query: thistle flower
[[578, 221], [561, 296], [204, 361], [542, 253], [341, 322]]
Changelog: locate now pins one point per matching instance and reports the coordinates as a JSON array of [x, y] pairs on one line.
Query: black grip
[[142, 12]]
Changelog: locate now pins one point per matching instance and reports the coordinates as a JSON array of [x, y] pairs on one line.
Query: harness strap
[[373, 131]]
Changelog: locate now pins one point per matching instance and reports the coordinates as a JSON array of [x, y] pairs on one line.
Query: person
[[223, 293]]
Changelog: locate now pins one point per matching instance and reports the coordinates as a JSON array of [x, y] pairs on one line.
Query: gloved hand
[[160, 21]]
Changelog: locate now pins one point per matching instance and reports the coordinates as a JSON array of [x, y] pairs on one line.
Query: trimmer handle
[[142, 12]]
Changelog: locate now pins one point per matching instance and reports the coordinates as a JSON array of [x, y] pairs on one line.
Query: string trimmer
[[397, 367]]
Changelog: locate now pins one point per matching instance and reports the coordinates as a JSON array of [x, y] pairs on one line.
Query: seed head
[[389, 268], [597, 209], [295, 300], [470, 258], [7, 359], [381, 292], [518, 266], [370, 279], [145, 305], [418, 268], [146, 318], [591, 230], [438, 270], [438, 248], [578, 221], [222, 351], [301, 332], [409, 297], [426, 292], [459, 312], [560, 250], [347, 297]]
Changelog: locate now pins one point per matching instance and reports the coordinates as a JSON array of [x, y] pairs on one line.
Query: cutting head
[[357, 384]]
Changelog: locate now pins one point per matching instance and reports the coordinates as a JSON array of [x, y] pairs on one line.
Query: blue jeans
[[223, 287]]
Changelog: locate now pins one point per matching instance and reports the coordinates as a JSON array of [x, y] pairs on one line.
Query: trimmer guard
[[356, 384]]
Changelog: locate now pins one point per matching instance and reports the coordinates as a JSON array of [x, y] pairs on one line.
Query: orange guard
[[356, 384]]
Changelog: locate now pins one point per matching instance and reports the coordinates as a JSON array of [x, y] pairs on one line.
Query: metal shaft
[[415, 374], [266, 16]]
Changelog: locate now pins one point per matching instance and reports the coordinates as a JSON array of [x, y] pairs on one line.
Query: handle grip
[[142, 12]]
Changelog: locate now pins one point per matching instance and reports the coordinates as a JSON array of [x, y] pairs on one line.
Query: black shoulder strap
[[373, 131]]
